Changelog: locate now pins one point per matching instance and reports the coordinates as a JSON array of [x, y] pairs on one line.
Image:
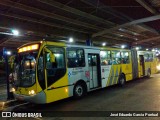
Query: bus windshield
[[25, 69]]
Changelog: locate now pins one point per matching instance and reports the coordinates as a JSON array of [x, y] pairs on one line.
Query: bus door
[[94, 69], [142, 66]]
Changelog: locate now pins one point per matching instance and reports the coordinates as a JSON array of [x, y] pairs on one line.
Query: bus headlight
[[31, 92], [158, 67], [12, 90]]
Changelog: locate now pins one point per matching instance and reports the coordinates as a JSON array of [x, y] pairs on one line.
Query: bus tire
[[149, 73], [79, 90], [122, 80]]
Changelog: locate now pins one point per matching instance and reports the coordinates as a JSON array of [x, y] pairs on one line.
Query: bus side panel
[[58, 91], [114, 75], [147, 67], [153, 66], [105, 73], [127, 69], [135, 66], [75, 74]]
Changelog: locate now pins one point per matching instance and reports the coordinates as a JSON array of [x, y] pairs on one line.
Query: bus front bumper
[[39, 98]]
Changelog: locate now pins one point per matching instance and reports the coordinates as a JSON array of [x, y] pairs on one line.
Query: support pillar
[[7, 73], [89, 41]]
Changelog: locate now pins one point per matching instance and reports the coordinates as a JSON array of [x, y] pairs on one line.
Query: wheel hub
[[79, 90]]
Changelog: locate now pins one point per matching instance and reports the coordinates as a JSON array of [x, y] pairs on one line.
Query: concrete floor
[[138, 95]]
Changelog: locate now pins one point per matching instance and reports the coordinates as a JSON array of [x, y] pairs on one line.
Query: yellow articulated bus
[[46, 71]]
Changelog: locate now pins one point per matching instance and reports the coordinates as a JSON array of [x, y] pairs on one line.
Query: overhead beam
[[3, 40], [107, 9], [33, 20], [150, 9], [12, 43], [147, 6], [111, 38], [122, 35], [61, 35], [46, 14], [120, 40], [146, 40], [156, 46], [133, 32], [41, 22], [38, 33], [5, 28], [8, 42], [75, 11], [15, 41], [115, 13], [143, 20], [148, 28], [119, 37], [35, 30]]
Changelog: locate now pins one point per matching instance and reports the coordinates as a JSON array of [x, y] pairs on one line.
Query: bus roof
[[80, 46]]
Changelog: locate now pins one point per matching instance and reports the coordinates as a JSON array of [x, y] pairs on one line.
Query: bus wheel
[[122, 80], [79, 90], [149, 73]]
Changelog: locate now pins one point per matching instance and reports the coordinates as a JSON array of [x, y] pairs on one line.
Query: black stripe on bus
[[59, 87]]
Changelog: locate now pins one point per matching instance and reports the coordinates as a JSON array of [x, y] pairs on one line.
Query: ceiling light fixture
[[137, 48], [104, 44], [15, 32], [71, 39], [122, 46]]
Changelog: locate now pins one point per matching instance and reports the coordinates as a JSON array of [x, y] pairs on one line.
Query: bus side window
[[105, 57], [125, 57], [75, 57], [151, 57], [105, 62], [116, 57], [71, 62], [146, 57]]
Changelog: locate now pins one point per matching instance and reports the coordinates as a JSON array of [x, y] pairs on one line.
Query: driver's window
[[40, 63], [41, 78]]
